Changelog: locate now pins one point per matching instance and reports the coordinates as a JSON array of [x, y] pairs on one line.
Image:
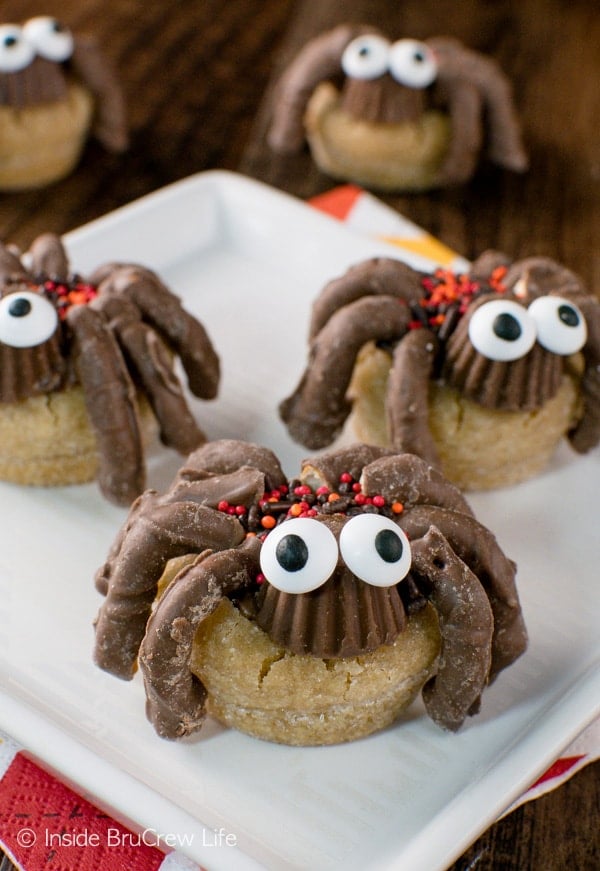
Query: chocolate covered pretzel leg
[[11, 268], [380, 276], [318, 60], [48, 257], [413, 478], [110, 402], [223, 456], [152, 364], [476, 546], [158, 533], [407, 395], [326, 468], [315, 413], [110, 123], [586, 434], [175, 697], [466, 626], [462, 70], [163, 310]]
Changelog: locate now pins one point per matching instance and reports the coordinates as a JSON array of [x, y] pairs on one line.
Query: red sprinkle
[[302, 490]]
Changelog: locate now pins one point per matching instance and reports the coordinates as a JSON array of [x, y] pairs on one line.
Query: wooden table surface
[[197, 75]]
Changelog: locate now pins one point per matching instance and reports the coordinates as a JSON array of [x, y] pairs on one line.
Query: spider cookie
[[393, 116], [76, 354], [55, 88], [481, 374], [310, 611]]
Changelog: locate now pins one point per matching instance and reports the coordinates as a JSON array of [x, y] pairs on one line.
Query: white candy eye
[[561, 326], [299, 555], [49, 37], [15, 51], [375, 549], [502, 330], [366, 57], [413, 63], [26, 319]]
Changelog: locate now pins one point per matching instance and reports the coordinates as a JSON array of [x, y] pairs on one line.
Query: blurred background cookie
[[56, 89], [394, 116]]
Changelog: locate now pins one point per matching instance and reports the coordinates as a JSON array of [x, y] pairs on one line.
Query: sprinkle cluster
[[299, 500], [64, 295], [447, 296]]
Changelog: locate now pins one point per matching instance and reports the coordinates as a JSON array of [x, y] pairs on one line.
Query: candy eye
[[502, 330], [49, 37], [366, 57], [375, 549], [561, 326], [299, 555], [15, 51], [26, 319], [413, 63]]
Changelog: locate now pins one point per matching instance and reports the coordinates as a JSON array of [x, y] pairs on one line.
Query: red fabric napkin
[[47, 826]]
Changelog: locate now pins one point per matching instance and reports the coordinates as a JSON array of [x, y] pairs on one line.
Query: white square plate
[[248, 261]]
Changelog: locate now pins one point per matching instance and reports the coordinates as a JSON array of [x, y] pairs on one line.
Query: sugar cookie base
[[258, 688], [42, 144], [386, 157], [48, 441]]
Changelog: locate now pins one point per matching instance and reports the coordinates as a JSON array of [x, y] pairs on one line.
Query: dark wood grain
[[198, 76]]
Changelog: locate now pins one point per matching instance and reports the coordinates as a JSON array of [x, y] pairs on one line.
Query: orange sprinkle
[[77, 297], [296, 509], [333, 497], [397, 507], [268, 521]]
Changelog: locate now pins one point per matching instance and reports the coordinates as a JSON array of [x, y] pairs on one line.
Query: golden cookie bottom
[[259, 688], [42, 144], [479, 448], [47, 440], [386, 157]]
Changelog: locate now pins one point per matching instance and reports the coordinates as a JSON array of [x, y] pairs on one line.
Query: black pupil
[[568, 315], [388, 545], [19, 307], [292, 553], [10, 41], [419, 57], [507, 327], [364, 51]]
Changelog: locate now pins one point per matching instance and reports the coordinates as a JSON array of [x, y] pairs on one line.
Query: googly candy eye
[[375, 549], [26, 319], [561, 326], [502, 330], [413, 63], [15, 51], [299, 555], [51, 39], [366, 57]]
